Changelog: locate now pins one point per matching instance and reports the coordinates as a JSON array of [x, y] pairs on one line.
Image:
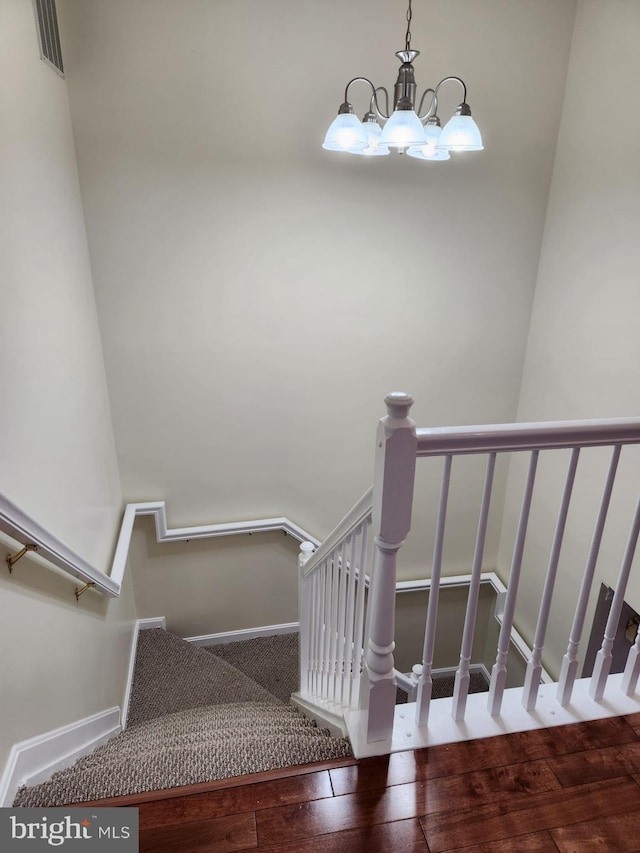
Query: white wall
[[61, 661], [257, 295], [583, 355], [411, 608], [208, 586]]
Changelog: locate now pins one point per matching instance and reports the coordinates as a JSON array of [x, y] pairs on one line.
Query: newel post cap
[[398, 404]]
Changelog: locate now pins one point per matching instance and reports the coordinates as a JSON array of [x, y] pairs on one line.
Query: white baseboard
[[34, 760], [473, 668], [140, 625], [405, 682], [245, 634], [151, 622]]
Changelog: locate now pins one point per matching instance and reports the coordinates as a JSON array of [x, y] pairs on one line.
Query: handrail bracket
[[82, 589], [12, 559]]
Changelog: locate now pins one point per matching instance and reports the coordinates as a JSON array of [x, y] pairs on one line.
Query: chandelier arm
[[433, 106], [457, 80], [374, 101], [374, 94], [358, 80]]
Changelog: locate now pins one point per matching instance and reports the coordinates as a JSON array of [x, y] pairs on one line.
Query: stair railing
[[338, 669], [332, 611], [532, 439], [350, 665]]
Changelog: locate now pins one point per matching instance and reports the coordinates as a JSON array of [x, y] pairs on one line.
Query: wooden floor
[[572, 789]]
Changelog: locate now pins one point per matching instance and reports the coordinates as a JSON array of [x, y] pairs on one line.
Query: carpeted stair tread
[[190, 746], [271, 661], [171, 675], [223, 722]]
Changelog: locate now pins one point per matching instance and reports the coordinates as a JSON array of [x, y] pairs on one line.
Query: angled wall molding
[[164, 533], [21, 528]]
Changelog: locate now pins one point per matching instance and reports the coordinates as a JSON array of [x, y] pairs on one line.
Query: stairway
[[195, 717]]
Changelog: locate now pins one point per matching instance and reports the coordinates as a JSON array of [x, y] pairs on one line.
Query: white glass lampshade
[[402, 130], [345, 134], [460, 133], [432, 136], [373, 132], [424, 153]]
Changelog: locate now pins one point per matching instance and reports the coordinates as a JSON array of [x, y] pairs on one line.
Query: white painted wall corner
[[140, 625]]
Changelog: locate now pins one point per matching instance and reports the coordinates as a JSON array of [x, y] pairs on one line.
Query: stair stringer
[[326, 714]]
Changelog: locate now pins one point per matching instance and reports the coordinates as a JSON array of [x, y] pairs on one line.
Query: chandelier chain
[[407, 41]]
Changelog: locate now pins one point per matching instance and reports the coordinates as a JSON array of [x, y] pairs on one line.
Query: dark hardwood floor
[[570, 789]]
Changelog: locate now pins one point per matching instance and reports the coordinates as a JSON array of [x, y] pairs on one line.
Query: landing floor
[[572, 789]]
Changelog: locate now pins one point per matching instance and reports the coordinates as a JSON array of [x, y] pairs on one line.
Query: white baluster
[[327, 598], [425, 682], [358, 640], [392, 500], [315, 615], [305, 610], [333, 625], [534, 667], [632, 669], [569, 668], [347, 677], [317, 673], [499, 671], [461, 685], [604, 657], [341, 623], [322, 626]]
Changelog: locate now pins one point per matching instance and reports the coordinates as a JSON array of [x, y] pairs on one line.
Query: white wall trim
[[140, 625], [205, 531], [451, 582], [243, 634], [21, 528], [34, 760]]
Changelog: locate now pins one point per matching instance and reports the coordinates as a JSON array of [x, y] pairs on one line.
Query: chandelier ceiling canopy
[[405, 129]]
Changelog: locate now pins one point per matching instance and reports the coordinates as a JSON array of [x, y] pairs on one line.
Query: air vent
[[47, 20]]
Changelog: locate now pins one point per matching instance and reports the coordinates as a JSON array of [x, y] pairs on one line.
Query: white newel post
[[304, 615], [394, 474]]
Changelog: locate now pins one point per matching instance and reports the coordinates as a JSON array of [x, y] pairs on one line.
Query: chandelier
[[405, 130]]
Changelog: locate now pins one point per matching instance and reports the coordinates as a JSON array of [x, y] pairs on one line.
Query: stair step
[[189, 747], [183, 730], [171, 675]]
